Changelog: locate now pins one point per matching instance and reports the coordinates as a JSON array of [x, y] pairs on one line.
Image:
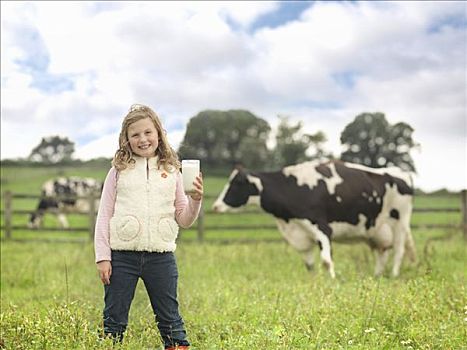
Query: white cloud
[[105, 146], [339, 59]]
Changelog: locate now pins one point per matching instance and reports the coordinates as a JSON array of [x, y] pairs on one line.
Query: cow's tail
[[410, 247]]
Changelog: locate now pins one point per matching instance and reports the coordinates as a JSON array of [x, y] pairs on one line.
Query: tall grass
[[249, 296]]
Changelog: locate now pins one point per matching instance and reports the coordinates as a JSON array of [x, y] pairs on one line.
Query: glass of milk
[[190, 170]]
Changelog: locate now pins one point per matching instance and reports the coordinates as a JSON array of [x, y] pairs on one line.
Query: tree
[[370, 140], [221, 138], [52, 149], [293, 146]]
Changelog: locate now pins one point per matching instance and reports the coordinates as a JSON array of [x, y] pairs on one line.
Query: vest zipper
[[147, 202]]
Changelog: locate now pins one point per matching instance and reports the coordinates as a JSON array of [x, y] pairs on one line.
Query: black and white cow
[[59, 196], [316, 202]]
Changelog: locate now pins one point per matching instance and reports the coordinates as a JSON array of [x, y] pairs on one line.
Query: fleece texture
[[144, 215]]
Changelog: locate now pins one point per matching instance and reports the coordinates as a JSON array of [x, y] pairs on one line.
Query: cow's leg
[[381, 260], [325, 246], [409, 241], [410, 246], [298, 238], [63, 220], [399, 248], [322, 235], [403, 239], [309, 259], [382, 241]]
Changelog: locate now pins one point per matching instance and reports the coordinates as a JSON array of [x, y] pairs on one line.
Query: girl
[[142, 205]]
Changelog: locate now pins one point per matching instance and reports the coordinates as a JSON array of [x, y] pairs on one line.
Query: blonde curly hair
[[123, 158]]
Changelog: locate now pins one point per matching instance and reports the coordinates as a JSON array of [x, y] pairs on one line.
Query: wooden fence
[[9, 228], [8, 212]]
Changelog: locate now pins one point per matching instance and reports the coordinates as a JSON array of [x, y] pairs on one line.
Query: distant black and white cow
[[59, 196], [316, 202]]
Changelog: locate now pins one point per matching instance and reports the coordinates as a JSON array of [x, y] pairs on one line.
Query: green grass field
[[238, 296]]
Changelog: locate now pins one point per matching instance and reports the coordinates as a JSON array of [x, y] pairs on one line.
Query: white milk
[[190, 170]]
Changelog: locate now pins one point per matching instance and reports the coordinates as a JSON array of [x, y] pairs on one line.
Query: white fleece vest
[[144, 215]]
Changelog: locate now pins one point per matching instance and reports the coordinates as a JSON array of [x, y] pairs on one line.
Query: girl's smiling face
[[143, 138]]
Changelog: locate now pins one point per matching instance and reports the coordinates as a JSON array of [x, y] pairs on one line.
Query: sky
[[74, 68]]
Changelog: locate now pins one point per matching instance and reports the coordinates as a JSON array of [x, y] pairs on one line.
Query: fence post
[[464, 212], [201, 225], [92, 216], [7, 196]]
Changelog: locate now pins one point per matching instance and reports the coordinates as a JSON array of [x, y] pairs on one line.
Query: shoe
[[178, 347]]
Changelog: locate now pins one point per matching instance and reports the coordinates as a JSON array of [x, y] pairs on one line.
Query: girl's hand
[[105, 271], [198, 194]]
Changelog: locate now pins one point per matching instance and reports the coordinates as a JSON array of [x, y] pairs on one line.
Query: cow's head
[[35, 220], [239, 191]]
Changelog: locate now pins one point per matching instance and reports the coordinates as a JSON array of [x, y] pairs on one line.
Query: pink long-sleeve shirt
[[186, 212]]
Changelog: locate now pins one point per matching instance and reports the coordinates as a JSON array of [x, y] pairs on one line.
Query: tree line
[[222, 138]]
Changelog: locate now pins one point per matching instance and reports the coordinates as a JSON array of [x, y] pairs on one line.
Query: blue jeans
[[159, 274]]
